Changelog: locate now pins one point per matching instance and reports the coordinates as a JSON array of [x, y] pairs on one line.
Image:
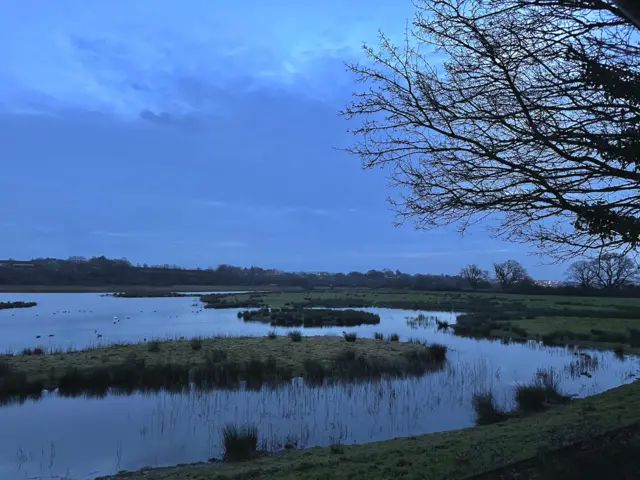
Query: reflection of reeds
[[240, 443], [542, 392], [486, 409], [583, 365]]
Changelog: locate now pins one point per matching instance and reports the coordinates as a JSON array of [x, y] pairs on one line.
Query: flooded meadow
[[82, 437]]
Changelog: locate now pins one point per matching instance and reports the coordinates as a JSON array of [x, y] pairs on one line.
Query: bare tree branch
[[532, 121]]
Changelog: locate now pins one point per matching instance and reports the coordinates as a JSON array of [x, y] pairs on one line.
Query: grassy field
[[444, 455], [599, 322], [220, 362]]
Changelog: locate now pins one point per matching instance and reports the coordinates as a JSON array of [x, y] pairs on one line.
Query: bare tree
[[509, 273], [532, 121], [631, 8], [474, 275], [615, 271], [583, 273]]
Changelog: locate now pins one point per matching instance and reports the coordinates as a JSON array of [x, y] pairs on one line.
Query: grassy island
[[307, 317], [7, 305], [212, 363]]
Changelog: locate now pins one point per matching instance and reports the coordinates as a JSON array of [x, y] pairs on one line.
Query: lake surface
[[79, 438]]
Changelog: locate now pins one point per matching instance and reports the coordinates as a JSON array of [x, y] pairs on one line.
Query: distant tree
[[583, 273], [613, 271], [509, 273], [532, 120], [474, 275]]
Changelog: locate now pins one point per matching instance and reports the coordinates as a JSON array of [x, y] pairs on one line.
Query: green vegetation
[[307, 317], [7, 305], [217, 362], [450, 455], [350, 337], [486, 410], [539, 395], [240, 443], [600, 322], [295, 336]]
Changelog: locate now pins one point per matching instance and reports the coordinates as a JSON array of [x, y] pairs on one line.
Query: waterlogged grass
[[213, 362], [599, 322], [240, 443], [444, 455]]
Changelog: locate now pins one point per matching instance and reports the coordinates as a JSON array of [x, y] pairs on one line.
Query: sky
[[203, 132]]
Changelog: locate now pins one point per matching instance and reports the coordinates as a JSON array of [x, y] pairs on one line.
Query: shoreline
[[445, 454], [139, 288]]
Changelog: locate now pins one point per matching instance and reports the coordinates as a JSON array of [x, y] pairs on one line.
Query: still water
[[79, 438]]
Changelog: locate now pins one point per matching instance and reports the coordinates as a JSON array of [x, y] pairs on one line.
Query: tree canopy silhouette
[[531, 122]]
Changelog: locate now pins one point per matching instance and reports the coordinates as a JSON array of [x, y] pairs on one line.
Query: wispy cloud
[[213, 203], [230, 244], [214, 244], [104, 233], [127, 57], [277, 210], [428, 254]]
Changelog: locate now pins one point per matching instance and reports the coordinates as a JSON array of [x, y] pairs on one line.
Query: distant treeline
[[102, 271]]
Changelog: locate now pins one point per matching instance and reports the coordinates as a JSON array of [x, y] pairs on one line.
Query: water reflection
[[84, 437]]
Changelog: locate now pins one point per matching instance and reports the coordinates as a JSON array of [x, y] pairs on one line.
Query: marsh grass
[[336, 447], [378, 336], [240, 443], [487, 410], [5, 367], [219, 363], [394, 337], [196, 344], [295, 336], [542, 393], [350, 337], [154, 346], [272, 335], [307, 317]]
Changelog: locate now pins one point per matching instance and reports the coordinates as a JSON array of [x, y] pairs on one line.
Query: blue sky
[[200, 133]]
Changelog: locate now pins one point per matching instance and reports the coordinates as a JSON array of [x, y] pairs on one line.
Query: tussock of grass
[[350, 337], [394, 337], [154, 346], [540, 394], [295, 336], [272, 335], [240, 443], [378, 336], [486, 409], [196, 344]]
